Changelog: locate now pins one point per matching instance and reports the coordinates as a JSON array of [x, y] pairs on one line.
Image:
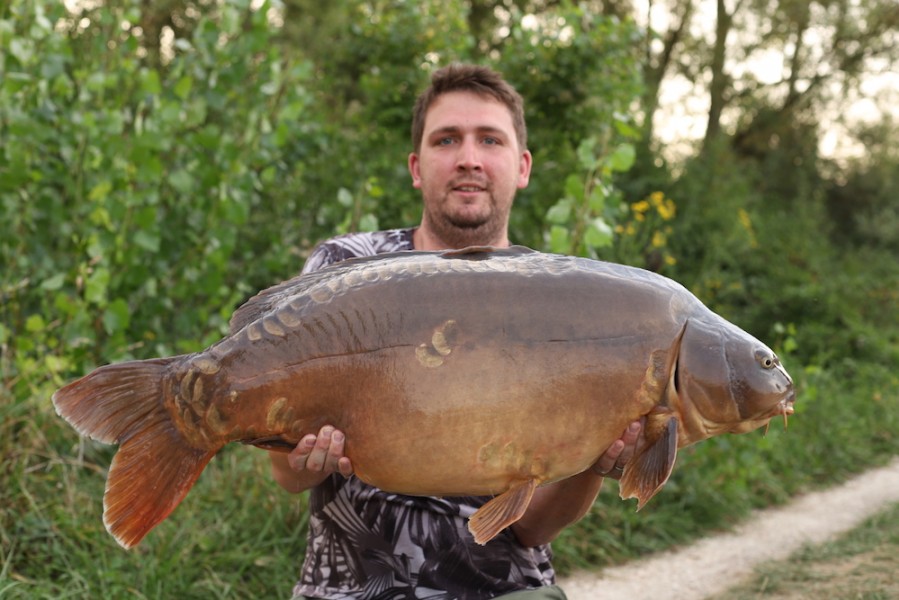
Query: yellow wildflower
[[640, 207], [666, 209]]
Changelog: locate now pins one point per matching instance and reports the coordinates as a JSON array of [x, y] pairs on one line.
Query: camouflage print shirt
[[364, 543]]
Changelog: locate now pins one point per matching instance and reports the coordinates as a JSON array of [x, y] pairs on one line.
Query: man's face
[[468, 169]]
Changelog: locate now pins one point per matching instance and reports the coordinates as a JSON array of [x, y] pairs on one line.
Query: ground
[[715, 564]]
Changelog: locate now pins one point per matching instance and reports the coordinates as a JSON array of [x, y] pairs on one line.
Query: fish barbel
[[537, 361]]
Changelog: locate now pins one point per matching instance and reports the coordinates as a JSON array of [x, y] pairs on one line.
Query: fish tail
[[155, 466]]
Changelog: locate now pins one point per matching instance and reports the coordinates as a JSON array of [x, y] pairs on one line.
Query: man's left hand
[[611, 463]]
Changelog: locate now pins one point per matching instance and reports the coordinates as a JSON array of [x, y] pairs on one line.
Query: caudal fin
[[155, 466]]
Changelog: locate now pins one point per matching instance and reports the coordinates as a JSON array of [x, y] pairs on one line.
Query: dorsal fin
[[268, 299]]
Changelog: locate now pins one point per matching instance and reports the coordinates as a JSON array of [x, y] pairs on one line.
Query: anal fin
[[648, 471], [502, 511]]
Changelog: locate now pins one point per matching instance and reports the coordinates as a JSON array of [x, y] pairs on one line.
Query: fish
[[480, 371]]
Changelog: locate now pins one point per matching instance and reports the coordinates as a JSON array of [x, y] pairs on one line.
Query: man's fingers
[[335, 451], [611, 463], [607, 461], [298, 456], [630, 437], [322, 452], [319, 454], [345, 466]]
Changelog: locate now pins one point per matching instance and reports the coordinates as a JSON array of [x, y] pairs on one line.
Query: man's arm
[[559, 504]]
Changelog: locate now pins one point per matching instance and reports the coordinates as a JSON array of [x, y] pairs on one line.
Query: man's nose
[[469, 157]]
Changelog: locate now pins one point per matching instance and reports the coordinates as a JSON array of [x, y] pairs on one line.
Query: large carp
[[477, 371]]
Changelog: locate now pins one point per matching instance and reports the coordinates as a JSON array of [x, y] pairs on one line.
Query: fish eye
[[766, 359]]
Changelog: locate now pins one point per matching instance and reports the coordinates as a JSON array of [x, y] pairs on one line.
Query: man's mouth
[[468, 187]]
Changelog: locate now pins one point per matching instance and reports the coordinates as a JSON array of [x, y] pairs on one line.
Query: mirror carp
[[472, 372]]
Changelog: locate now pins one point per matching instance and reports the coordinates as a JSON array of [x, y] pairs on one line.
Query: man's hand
[[611, 464], [322, 453], [313, 459]]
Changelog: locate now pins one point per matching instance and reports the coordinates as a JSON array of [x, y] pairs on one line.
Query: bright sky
[[683, 109]]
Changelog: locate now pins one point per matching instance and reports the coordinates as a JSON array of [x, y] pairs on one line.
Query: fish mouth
[[784, 408]]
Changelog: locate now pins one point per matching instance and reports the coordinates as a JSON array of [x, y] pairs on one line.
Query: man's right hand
[[313, 459], [322, 453]]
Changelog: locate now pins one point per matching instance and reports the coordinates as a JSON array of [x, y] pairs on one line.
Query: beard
[[459, 230]]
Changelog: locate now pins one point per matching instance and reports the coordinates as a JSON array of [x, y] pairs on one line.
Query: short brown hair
[[469, 78]]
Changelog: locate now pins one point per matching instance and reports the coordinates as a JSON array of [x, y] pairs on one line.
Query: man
[[470, 157]]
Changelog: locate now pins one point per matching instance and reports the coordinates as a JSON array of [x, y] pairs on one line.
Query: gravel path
[[714, 564]]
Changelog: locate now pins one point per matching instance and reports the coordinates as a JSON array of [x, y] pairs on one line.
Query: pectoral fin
[[502, 511], [648, 471]]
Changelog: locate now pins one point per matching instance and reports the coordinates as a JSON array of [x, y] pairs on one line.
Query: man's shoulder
[[352, 245]]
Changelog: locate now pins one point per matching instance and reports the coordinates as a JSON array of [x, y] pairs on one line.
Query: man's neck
[[424, 239]]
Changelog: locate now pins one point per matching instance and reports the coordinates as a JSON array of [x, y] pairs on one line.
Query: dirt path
[[714, 564]]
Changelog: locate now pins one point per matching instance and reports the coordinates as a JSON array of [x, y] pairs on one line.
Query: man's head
[[480, 80], [470, 158]]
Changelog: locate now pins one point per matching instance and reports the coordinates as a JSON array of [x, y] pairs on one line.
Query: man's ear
[[524, 169], [414, 170]]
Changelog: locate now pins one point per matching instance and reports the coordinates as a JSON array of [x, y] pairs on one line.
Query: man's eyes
[[486, 140]]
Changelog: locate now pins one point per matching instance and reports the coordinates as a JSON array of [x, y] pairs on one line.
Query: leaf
[[116, 317], [368, 222], [345, 197], [148, 240], [183, 87], [574, 187], [96, 286], [182, 181], [53, 283], [35, 323], [100, 191], [560, 212], [586, 154], [598, 234], [598, 196], [559, 240], [622, 158], [150, 83]]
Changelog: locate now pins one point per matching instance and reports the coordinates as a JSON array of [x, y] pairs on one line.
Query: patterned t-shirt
[[365, 543]]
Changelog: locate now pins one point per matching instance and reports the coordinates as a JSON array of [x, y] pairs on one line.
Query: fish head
[[727, 381]]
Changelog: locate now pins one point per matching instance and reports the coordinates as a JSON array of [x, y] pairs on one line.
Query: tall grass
[[237, 535]]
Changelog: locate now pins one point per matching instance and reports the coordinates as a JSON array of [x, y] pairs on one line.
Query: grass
[[862, 565], [238, 535]]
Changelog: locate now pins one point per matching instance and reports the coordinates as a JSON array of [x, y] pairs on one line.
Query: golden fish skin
[[536, 361]]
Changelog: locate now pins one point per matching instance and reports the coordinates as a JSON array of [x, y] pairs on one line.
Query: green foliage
[[129, 190], [580, 221], [148, 186], [578, 74]]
